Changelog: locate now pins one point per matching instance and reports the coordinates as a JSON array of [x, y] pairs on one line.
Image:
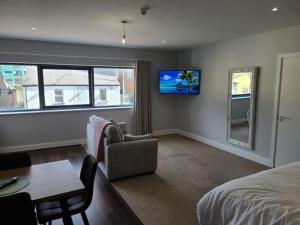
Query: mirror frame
[[254, 71]]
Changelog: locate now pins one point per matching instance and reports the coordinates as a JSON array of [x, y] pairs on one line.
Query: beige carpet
[[186, 171]]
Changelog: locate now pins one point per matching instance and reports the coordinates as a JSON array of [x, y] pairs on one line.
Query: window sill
[[66, 110]]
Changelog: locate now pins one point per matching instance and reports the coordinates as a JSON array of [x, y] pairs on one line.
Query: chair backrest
[[17, 209], [14, 160], [87, 176]]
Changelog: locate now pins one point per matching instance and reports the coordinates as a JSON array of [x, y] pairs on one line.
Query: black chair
[[17, 209], [49, 211], [14, 160]]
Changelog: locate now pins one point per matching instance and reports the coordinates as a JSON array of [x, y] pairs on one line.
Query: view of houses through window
[[113, 86], [64, 87], [240, 84]]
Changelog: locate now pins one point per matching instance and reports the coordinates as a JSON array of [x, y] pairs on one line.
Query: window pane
[[241, 83], [113, 86], [18, 87], [66, 87]]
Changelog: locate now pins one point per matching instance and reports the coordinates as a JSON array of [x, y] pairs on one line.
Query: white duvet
[[269, 197]]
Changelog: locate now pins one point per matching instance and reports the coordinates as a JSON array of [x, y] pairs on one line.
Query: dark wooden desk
[[49, 181]]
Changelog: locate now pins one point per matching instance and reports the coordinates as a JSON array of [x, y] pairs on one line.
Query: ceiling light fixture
[[163, 41], [124, 22], [275, 9], [33, 28]]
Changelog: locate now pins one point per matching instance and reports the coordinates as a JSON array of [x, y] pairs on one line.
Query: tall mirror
[[241, 106]]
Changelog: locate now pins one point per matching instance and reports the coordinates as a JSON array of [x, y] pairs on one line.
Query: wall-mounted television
[[179, 82]]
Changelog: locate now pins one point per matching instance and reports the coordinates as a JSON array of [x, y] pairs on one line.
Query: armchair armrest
[[129, 137], [130, 158], [132, 146]]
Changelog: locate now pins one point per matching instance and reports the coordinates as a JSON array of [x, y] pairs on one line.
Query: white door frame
[[276, 102]]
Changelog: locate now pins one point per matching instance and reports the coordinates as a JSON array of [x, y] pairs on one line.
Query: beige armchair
[[127, 155]]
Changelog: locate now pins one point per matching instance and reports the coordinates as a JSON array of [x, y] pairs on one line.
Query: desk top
[[48, 181]]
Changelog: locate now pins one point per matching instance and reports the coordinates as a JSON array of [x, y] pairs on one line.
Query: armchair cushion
[[123, 127], [120, 131], [115, 133], [129, 137], [112, 134]]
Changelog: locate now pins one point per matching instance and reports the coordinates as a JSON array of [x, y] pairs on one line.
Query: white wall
[[205, 115], [30, 129]]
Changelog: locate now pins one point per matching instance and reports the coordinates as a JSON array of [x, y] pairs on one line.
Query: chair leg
[[66, 216], [67, 219], [49, 223], [84, 218]]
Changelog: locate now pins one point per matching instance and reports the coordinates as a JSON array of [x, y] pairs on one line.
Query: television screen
[[179, 82]]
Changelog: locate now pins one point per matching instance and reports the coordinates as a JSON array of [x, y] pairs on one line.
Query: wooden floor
[[106, 208]]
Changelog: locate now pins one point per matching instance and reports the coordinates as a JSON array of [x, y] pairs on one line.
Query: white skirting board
[[248, 154], [20, 148]]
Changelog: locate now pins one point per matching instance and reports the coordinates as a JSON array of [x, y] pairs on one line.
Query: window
[[66, 87], [38, 87], [240, 84], [18, 87], [116, 83]]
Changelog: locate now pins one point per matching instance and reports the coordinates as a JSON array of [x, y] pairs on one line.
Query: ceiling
[[181, 23]]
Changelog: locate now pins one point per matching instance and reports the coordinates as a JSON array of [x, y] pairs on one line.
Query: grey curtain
[[142, 108]]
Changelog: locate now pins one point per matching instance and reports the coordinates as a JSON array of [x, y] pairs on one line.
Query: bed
[[265, 198]]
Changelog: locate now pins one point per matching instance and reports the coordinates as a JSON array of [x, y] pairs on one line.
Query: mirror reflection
[[241, 106]]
